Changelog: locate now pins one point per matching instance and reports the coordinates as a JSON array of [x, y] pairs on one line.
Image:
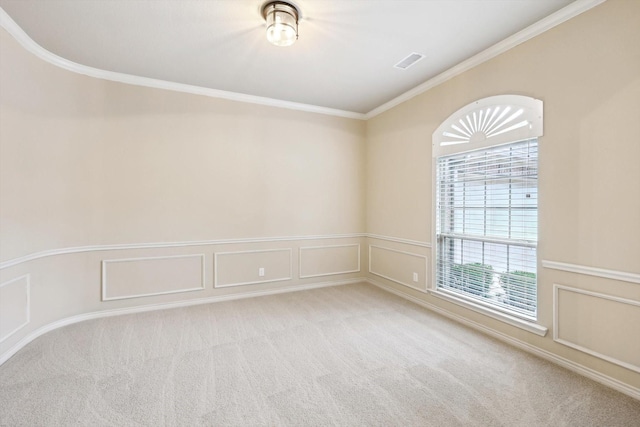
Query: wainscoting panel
[[252, 267], [14, 306], [602, 325], [399, 266], [139, 277], [316, 261]]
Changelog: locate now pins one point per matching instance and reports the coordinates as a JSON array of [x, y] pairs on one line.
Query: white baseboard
[[561, 361], [554, 358], [164, 306]]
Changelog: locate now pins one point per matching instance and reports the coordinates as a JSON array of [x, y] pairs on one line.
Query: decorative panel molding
[[243, 267], [317, 261], [142, 277], [14, 306], [601, 325], [522, 344], [488, 122], [399, 266]]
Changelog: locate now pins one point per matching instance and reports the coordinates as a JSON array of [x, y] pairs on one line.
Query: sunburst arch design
[[489, 121]]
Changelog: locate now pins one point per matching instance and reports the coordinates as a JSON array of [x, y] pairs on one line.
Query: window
[[487, 225], [486, 205]]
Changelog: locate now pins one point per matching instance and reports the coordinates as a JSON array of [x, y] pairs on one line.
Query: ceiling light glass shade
[[282, 23]]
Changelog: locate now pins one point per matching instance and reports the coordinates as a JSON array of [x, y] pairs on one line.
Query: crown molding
[[557, 18], [30, 45], [564, 14]]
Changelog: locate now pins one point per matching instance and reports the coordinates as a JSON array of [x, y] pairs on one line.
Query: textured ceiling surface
[[343, 59]]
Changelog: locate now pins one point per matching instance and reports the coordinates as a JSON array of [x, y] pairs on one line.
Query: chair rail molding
[[399, 240], [623, 276], [152, 245]]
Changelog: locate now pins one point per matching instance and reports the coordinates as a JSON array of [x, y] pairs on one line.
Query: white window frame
[[482, 124]]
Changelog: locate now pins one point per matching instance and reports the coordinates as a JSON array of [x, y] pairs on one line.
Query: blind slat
[[487, 226]]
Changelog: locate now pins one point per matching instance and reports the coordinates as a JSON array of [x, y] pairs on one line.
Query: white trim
[[30, 45], [556, 324], [528, 326], [130, 246], [27, 308], [325, 274], [278, 279], [593, 271], [512, 118], [557, 18], [164, 306], [117, 247], [104, 276], [532, 110], [570, 11], [547, 355], [400, 240], [426, 268]]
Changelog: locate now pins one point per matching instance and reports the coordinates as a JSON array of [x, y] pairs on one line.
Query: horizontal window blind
[[487, 226]]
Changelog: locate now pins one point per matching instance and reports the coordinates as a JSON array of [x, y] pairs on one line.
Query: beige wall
[[587, 72], [91, 162], [87, 163]]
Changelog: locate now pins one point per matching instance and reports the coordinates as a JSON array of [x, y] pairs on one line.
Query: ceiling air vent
[[409, 61]]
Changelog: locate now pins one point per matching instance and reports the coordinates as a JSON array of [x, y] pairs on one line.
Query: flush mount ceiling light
[[282, 22]]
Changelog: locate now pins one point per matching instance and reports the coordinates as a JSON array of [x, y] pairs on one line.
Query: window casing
[[485, 192], [487, 226]]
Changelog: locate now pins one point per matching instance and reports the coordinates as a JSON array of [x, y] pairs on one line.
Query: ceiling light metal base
[[282, 22]]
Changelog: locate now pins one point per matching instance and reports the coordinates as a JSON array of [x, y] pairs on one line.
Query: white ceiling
[[343, 59]]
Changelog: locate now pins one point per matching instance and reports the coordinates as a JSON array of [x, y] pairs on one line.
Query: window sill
[[503, 317]]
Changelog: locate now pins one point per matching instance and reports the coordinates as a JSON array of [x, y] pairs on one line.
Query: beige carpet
[[346, 356]]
